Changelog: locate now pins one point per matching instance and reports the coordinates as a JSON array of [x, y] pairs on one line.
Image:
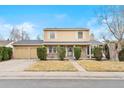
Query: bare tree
[[38, 37], [15, 34], [113, 18], [18, 34], [24, 35]]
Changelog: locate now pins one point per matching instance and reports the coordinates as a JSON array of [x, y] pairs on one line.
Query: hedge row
[[5, 53]]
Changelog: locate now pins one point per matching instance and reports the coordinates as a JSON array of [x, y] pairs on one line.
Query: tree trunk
[[114, 50], [118, 49]]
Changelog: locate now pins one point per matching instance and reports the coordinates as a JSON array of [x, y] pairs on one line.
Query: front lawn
[[102, 66], [47, 66]]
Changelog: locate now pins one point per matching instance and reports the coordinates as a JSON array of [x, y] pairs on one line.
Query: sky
[[35, 18]]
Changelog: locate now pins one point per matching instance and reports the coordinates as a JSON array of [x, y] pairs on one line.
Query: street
[[61, 83]]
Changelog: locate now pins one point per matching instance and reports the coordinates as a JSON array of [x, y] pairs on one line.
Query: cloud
[[26, 26], [6, 28], [92, 22]]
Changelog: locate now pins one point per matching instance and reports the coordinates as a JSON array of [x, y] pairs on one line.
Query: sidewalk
[[61, 75], [77, 66]]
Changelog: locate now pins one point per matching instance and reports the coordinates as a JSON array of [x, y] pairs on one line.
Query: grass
[[48, 66], [102, 66]]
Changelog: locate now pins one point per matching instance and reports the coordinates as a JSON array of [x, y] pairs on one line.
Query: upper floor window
[[80, 35], [52, 35]]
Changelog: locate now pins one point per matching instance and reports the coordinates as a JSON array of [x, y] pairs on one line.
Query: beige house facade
[[53, 37]]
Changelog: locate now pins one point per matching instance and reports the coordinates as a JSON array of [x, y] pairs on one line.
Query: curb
[[61, 75]]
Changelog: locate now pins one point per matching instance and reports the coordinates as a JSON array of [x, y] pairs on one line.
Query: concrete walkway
[[15, 65], [77, 66]]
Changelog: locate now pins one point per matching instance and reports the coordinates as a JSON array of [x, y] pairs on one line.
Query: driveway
[[15, 65]]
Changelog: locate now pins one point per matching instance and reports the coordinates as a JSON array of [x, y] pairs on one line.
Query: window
[[54, 49], [80, 35], [50, 49], [52, 35]]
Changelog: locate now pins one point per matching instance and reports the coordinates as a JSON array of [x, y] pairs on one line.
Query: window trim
[[52, 49], [50, 33], [78, 35]]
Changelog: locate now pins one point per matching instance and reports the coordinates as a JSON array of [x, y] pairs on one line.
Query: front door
[[70, 51]]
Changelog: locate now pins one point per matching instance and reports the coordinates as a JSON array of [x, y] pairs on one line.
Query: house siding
[[67, 36]]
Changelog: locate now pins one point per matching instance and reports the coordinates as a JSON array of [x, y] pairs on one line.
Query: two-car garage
[[26, 49]]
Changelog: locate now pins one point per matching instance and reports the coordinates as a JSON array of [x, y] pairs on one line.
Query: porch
[[85, 51]]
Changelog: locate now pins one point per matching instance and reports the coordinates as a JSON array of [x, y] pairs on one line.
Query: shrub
[[77, 52], [106, 49], [42, 53], [1, 53], [121, 55], [97, 53], [61, 52], [9, 52], [5, 54]]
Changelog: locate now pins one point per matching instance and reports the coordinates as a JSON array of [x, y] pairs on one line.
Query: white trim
[[76, 35]]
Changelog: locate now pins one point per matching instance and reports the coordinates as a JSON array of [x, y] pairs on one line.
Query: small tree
[[42, 53], [77, 52], [97, 53], [106, 49], [61, 52], [121, 55]]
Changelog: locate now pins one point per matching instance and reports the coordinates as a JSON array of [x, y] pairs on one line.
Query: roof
[[41, 42], [28, 42], [72, 43], [69, 29], [4, 42]]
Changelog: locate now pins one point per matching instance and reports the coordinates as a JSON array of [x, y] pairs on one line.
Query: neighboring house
[[6, 43], [67, 37]]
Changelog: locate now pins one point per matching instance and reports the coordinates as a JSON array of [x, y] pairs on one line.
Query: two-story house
[[53, 37]]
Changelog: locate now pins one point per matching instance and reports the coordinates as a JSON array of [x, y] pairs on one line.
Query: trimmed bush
[[42, 53], [61, 52], [121, 55], [97, 53], [1, 53], [5, 53], [9, 52], [106, 49], [77, 52]]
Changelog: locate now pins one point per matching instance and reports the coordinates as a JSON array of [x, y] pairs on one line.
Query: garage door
[[33, 53], [21, 53], [25, 53]]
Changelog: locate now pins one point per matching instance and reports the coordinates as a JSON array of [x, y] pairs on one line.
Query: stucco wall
[[67, 36]]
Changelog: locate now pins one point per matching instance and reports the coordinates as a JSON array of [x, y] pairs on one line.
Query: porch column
[[90, 55], [73, 51], [66, 51]]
